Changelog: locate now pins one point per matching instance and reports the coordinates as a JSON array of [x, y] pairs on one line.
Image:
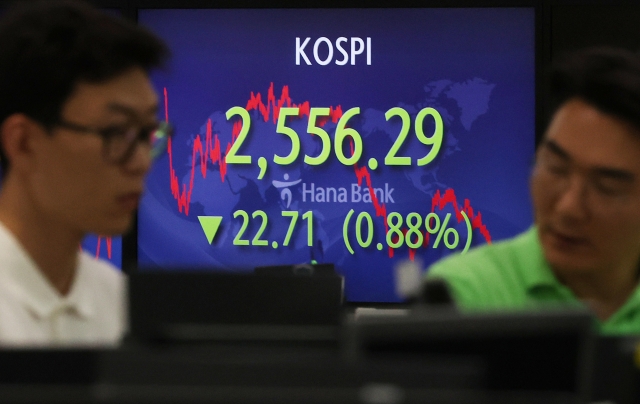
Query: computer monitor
[[187, 305], [531, 351]]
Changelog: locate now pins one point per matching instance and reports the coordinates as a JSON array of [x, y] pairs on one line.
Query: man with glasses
[[78, 128], [584, 249]]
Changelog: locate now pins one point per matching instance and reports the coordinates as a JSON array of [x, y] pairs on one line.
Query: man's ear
[[17, 134]]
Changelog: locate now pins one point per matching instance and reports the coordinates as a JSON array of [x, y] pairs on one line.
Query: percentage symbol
[[442, 231]]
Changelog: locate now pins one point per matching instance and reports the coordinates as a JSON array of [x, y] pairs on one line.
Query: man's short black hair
[[48, 47], [606, 78]]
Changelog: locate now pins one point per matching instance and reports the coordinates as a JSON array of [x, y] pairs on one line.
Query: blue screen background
[[476, 67]]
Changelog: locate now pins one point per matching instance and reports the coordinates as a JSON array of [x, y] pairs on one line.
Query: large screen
[[358, 137]]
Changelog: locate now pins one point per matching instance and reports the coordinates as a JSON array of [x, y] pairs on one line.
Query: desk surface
[[251, 373], [276, 373]]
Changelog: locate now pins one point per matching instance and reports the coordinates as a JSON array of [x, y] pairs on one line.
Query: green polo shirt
[[513, 275]]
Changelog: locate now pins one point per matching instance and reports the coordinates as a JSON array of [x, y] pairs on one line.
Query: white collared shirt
[[34, 313]]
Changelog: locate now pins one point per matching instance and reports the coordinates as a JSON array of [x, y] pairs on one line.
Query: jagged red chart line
[[99, 242], [108, 241], [211, 151]]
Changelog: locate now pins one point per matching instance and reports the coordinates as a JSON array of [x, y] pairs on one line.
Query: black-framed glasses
[[120, 141]]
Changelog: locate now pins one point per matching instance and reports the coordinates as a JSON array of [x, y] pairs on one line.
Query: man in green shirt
[[584, 249]]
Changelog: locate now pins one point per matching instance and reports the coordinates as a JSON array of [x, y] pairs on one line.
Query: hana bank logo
[[285, 191]]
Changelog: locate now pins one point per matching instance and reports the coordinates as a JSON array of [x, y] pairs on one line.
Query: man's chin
[[568, 263]]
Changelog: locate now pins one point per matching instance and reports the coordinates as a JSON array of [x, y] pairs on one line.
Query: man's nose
[[572, 201]]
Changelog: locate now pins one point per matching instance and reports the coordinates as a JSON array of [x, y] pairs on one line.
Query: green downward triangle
[[210, 225]]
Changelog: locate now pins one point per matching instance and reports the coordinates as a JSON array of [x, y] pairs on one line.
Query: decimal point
[[380, 246], [274, 244], [373, 163]]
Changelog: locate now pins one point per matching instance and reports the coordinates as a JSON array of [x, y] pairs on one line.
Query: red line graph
[[449, 197], [212, 151], [108, 242], [255, 102]]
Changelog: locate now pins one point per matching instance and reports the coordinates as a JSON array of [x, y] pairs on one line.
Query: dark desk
[[292, 372], [249, 373]]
